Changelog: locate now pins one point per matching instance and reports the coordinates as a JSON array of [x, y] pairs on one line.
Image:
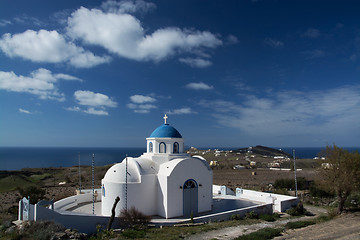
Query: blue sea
[[16, 158]]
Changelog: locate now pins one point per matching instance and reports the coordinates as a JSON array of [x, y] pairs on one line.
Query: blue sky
[[227, 73]]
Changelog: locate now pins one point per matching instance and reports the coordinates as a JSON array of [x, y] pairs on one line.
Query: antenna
[[79, 176], [126, 181], [93, 194], [296, 193]]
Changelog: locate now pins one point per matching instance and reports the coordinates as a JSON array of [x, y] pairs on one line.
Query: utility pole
[[296, 192], [79, 176], [93, 183], [126, 181]]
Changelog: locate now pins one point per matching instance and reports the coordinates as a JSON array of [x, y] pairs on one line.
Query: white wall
[[190, 168], [162, 195], [75, 200], [280, 202], [141, 195], [83, 223]]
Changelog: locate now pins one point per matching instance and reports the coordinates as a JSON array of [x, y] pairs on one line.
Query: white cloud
[[312, 33], [312, 54], [96, 103], [122, 34], [4, 22], [273, 43], [231, 39], [199, 86], [48, 46], [67, 77], [127, 6], [28, 20], [88, 98], [184, 110], [196, 62], [293, 114], [142, 99], [40, 82], [24, 111], [90, 110], [353, 57], [141, 111], [94, 111], [73, 109], [146, 106], [141, 103]]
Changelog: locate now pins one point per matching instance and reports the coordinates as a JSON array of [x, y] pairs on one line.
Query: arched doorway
[[190, 198]]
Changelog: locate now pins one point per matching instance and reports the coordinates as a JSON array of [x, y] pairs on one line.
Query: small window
[[162, 148], [150, 147], [190, 184], [176, 147]]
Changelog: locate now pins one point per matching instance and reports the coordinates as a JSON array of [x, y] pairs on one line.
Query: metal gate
[[190, 198]]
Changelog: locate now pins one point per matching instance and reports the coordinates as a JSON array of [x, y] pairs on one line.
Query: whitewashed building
[[164, 181]]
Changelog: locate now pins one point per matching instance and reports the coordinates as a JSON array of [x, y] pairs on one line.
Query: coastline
[[16, 158]]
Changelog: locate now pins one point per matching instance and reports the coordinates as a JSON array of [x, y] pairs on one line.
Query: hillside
[[261, 150]]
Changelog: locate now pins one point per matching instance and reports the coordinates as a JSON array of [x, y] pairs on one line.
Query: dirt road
[[346, 226]]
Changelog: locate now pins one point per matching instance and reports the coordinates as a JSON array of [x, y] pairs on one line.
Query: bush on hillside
[[298, 210], [134, 218], [286, 183], [35, 193], [252, 215], [320, 192]]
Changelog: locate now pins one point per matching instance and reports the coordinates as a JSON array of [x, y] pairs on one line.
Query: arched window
[[190, 184], [162, 147], [176, 147], [150, 147]]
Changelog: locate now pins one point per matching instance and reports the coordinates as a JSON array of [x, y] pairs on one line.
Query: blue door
[[190, 198]]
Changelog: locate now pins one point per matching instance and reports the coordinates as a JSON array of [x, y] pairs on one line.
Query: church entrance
[[190, 198]]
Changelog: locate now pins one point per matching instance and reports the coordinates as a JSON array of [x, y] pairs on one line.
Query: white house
[[164, 181]]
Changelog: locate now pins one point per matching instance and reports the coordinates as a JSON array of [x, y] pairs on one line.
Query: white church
[[164, 181]]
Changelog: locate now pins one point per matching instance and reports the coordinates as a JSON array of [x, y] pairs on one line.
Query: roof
[[165, 131], [136, 168]]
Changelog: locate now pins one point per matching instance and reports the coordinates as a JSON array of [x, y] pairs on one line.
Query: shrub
[[134, 218], [236, 217], [286, 183], [41, 230], [299, 224], [322, 218], [353, 201], [265, 233], [133, 233], [298, 210], [252, 215], [269, 217], [332, 212], [35, 193], [318, 191]]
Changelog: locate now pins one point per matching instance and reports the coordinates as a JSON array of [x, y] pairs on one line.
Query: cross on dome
[[165, 118]]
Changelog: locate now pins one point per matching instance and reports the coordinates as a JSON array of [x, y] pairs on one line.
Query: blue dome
[[165, 131]]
